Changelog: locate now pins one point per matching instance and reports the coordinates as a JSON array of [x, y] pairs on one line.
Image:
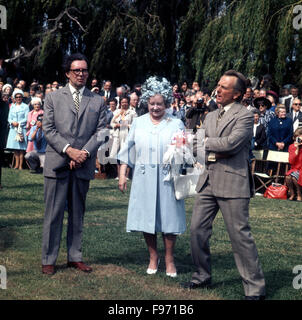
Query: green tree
[[128, 40]]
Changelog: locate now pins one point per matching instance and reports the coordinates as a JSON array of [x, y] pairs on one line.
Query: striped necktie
[[220, 115], [77, 100]]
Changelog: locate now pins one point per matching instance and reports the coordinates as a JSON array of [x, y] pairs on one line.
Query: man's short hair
[[112, 100], [240, 84], [68, 60]]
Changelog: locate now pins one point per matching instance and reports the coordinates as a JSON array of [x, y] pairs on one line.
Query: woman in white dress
[[121, 123]]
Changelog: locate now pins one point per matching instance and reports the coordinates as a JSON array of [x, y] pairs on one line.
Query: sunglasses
[[297, 104]]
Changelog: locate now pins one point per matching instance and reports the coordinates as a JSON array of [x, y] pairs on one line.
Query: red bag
[[276, 191]]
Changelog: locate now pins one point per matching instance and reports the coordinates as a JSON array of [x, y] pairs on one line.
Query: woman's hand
[[122, 183], [280, 145], [15, 124]]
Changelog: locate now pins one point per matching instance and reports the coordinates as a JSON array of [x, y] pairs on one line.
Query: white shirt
[[73, 91], [255, 128], [228, 107]]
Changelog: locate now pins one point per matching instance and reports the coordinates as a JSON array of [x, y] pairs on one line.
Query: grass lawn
[[120, 259]]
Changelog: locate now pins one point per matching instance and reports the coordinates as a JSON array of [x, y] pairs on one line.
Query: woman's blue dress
[[152, 204], [17, 114]]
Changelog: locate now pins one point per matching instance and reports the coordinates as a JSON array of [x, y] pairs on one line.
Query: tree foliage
[[128, 40]]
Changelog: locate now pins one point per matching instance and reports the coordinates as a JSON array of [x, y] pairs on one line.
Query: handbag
[[185, 185], [276, 191]]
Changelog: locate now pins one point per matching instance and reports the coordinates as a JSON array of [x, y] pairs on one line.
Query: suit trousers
[[235, 212], [58, 192]]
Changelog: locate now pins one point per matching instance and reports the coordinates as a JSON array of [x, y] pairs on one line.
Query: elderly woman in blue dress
[[152, 206], [17, 118]]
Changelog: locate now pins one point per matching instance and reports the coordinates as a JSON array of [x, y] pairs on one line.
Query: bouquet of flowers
[[179, 154]]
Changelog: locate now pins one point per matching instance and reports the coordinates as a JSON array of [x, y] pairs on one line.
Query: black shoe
[[254, 298], [193, 285]]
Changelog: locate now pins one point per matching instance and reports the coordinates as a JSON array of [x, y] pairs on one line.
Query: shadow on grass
[[104, 206], [7, 236], [24, 186], [19, 222], [226, 277], [94, 188]]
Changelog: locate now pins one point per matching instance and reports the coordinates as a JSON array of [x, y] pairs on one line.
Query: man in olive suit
[[73, 118], [226, 185]]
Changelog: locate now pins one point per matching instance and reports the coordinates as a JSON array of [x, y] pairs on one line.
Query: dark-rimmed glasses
[[79, 71]]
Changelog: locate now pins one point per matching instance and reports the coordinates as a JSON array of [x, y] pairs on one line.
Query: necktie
[[220, 115], [295, 116], [77, 100]]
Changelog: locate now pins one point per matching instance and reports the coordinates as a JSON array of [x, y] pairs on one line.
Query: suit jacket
[[280, 130], [291, 116], [4, 109], [230, 176], [62, 125], [287, 103], [112, 94], [260, 137]]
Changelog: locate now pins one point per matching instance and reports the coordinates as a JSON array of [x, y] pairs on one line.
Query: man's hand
[[79, 156], [74, 165], [15, 124]]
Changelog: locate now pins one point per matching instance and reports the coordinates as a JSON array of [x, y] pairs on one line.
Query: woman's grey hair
[[157, 85]]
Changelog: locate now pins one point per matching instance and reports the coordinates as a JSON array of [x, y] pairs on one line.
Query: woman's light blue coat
[[19, 116], [152, 204]]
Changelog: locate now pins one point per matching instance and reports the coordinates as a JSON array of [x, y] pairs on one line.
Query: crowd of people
[[277, 114]]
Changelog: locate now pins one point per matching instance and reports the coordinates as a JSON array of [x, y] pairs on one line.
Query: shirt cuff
[[88, 153], [67, 145]]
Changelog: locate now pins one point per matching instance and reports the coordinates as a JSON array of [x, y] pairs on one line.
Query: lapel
[[227, 118], [70, 102], [84, 102], [69, 99]]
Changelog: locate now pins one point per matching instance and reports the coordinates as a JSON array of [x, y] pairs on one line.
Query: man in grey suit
[[226, 184], [73, 118]]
